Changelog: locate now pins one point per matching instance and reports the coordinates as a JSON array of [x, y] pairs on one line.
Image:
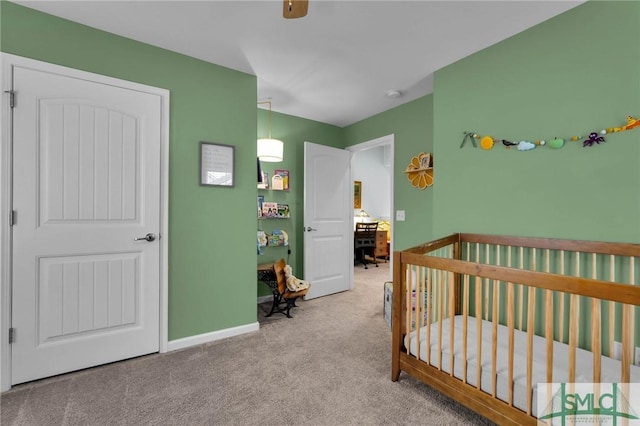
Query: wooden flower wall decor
[[420, 170]]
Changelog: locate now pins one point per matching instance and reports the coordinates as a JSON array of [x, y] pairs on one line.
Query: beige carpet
[[328, 365]]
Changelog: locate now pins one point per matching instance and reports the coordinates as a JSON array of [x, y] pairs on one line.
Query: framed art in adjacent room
[[216, 164], [357, 194]]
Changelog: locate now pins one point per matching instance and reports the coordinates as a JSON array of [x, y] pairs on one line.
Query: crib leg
[[395, 373], [395, 362]]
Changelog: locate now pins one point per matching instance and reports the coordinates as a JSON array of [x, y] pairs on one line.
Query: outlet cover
[[399, 215]]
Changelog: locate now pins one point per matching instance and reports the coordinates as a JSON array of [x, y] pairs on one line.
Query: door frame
[[7, 61], [388, 140]]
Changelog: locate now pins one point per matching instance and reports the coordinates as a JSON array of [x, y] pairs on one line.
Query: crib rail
[[584, 294]]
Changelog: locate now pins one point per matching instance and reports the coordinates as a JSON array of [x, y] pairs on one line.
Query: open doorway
[[372, 166]]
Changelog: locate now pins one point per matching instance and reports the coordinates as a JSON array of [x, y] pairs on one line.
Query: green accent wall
[[294, 132], [576, 73], [561, 77], [412, 127], [211, 229]]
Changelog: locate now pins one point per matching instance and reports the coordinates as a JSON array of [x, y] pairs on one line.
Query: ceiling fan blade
[[294, 8]]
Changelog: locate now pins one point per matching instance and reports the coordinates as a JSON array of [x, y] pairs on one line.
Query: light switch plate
[[400, 215]]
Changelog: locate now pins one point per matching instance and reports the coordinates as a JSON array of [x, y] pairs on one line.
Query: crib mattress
[[584, 359]]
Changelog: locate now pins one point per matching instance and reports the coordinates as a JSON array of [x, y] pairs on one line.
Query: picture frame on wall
[[357, 194], [216, 164]]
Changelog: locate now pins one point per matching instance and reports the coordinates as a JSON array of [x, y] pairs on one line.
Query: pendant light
[[269, 149]]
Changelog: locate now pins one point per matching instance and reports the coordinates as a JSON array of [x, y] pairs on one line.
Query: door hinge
[[12, 98], [13, 217], [12, 335]]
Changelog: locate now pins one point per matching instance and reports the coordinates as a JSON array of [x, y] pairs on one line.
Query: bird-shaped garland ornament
[[488, 142]]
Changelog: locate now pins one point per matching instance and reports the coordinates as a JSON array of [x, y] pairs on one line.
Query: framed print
[[216, 164], [357, 194]]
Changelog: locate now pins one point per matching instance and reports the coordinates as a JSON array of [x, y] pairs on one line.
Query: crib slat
[[612, 305], [596, 342], [574, 318], [596, 346], [628, 325], [632, 281], [434, 312], [419, 288], [465, 317], [521, 290], [440, 315], [562, 300], [452, 313], [486, 287], [573, 336], [627, 343], [430, 305], [408, 304], [494, 343], [548, 322], [531, 303], [510, 324], [478, 332], [530, 328], [494, 340]]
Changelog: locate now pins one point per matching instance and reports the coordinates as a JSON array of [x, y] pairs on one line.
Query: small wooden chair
[[285, 295]]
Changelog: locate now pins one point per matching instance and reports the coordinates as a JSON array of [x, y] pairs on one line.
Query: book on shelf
[[278, 237], [264, 182], [260, 201], [284, 174], [269, 209], [276, 182], [262, 241], [282, 210]]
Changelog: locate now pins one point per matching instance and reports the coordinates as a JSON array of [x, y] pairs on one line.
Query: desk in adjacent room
[[382, 245]]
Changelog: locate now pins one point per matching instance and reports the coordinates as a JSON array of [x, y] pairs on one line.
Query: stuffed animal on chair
[[293, 283]]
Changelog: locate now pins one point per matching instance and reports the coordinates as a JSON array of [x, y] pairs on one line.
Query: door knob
[[309, 229], [149, 237]]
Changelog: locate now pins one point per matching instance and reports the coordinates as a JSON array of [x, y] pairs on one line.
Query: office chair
[[364, 242]]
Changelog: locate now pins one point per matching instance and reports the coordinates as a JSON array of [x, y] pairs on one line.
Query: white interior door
[[328, 236], [86, 183]]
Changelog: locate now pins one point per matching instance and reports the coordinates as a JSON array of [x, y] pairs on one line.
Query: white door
[[86, 183], [328, 208]]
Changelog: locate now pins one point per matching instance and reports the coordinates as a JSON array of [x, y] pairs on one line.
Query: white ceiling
[[334, 65]]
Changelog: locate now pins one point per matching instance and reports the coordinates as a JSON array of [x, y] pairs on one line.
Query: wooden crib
[[484, 318]]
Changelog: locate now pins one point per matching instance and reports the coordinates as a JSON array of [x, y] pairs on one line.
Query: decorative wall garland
[[488, 142]]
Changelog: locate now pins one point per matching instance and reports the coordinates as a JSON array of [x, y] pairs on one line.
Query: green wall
[[575, 73], [412, 127], [556, 79], [560, 78], [210, 239], [293, 131]]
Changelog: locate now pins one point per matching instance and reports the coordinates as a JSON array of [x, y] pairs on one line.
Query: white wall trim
[[212, 336], [263, 299], [7, 63], [381, 141]]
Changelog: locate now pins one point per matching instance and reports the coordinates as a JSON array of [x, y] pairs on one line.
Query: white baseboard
[[212, 337], [263, 299]]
